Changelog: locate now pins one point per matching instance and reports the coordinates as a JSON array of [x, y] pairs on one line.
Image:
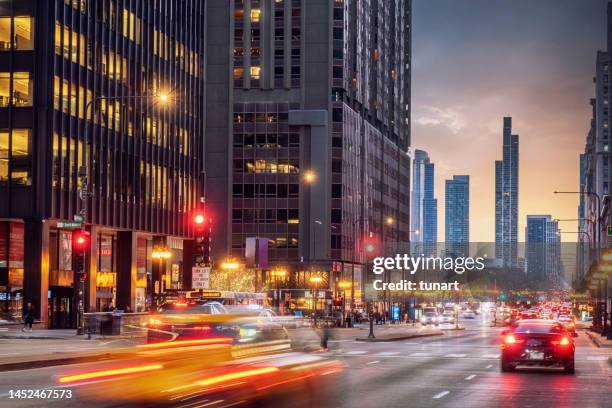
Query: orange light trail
[[109, 373], [237, 375], [180, 343]]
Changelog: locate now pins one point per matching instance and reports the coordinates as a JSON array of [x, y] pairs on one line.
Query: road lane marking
[[338, 341], [355, 352], [387, 353], [441, 394], [420, 355], [490, 356], [411, 343], [470, 377], [489, 366], [373, 362], [455, 355], [597, 358]]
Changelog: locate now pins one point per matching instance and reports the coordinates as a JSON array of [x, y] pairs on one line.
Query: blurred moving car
[[568, 323], [447, 317], [537, 343], [469, 314], [528, 316], [429, 318]]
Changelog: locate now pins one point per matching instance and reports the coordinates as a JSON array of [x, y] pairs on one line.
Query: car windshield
[[190, 309], [538, 328]]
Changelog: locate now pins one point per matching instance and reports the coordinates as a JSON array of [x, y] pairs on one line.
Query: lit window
[[255, 14], [238, 72], [5, 33], [19, 155], [24, 40], [255, 71], [22, 89]]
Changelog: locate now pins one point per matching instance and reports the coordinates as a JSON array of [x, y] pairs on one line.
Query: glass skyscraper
[[424, 210], [457, 216], [506, 198]]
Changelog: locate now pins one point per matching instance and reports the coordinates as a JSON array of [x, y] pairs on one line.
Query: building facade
[[457, 216], [543, 250], [101, 116], [424, 206], [506, 198], [308, 128]]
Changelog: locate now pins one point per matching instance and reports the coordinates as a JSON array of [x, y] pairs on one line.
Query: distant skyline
[[476, 61]]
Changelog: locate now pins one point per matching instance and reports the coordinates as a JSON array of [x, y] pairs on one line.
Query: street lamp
[[344, 285], [310, 176], [315, 280], [276, 274], [161, 253]]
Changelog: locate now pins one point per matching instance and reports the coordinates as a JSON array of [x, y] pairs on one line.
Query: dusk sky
[[475, 61]]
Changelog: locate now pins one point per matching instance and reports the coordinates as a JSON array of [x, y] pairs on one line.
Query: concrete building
[[308, 128], [506, 198], [457, 216], [136, 68]]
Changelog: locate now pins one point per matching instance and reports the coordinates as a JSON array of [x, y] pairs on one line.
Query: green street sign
[[69, 224], [609, 230], [78, 218]]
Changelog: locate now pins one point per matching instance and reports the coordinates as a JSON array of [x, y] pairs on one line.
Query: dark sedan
[[537, 343]]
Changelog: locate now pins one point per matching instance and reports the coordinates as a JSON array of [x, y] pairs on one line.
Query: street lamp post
[[279, 273], [161, 254], [315, 280], [343, 285]]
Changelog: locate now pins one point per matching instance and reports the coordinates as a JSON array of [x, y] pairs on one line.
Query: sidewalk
[[401, 332], [598, 340]]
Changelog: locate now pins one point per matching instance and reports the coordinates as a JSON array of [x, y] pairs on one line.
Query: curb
[[33, 338], [389, 339], [27, 365], [597, 341], [453, 329]]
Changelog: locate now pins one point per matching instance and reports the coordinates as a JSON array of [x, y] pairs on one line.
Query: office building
[[112, 91], [457, 217], [308, 129], [506, 198], [543, 249]]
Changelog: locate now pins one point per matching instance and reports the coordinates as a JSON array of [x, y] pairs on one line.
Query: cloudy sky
[[476, 61]]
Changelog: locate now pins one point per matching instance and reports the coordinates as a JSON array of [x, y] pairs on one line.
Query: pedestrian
[[28, 317]]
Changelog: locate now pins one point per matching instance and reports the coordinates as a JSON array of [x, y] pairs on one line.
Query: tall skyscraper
[[543, 249], [506, 198], [424, 207], [457, 216], [312, 112]]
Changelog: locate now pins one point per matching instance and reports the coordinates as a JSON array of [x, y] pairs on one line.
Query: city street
[[459, 368]]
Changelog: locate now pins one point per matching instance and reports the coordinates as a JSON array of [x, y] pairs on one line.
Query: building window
[[255, 15], [22, 89], [19, 154], [255, 71], [22, 38], [238, 72]]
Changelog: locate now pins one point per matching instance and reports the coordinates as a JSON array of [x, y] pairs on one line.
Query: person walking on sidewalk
[[28, 317]]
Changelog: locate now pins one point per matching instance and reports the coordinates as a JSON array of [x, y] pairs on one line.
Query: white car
[[447, 317], [468, 315]]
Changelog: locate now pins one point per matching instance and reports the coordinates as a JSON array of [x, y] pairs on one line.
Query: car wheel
[[569, 367], [506, 367]]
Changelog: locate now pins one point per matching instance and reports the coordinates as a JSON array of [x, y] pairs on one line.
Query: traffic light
[[371, 247], [202, 238], [80, 244]]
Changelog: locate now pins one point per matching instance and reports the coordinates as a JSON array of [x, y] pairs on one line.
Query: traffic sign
[[610, 230], [69, 224]]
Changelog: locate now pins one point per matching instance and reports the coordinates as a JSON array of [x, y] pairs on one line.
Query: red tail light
[[510, 339], [564, 341]]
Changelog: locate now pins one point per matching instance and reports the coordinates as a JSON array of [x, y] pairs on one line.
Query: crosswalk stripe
[[455, 355], [387, 353], [355, 352]]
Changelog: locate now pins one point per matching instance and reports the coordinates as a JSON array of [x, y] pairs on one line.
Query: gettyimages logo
[[413, 264]]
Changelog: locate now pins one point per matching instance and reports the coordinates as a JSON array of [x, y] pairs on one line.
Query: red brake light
[[510, 339], [564, 341]]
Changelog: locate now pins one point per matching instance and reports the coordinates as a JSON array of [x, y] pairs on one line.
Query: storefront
[[11, 270]]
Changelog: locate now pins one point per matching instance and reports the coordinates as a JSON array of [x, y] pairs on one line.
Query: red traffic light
[[80, 240], [199, 219]]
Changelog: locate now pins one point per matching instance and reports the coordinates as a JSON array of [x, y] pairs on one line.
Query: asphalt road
[[458, 369], [461, 369]]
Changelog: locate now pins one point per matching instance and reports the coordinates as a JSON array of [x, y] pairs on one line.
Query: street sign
[[78, 218], [200, 278], [609, 230], [69, 224]]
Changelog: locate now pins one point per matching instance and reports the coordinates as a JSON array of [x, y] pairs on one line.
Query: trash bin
[[117, 324], [106, 324]]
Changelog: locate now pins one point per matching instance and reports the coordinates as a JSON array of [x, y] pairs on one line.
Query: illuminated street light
[[229, 265], [390, 220], [310, 176], [163, 98]]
